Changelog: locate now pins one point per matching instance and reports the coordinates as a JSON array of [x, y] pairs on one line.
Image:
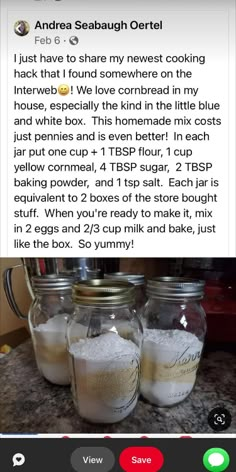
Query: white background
[[199, 27]]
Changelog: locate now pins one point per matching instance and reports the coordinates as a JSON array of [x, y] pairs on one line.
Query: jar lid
[[52, 283], [135, 279], [175, 288], [103, 292]]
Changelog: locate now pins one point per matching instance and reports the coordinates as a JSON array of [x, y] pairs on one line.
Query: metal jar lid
[[100, 292], [175, 288], [135, 279], [52, 283]]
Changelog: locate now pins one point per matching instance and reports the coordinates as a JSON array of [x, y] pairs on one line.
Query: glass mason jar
[[174, 332], [48, 318], [104, 341], [138, 280]]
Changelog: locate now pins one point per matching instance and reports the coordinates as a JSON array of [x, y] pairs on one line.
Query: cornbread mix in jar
[[48, 318], [174, 332], [104, 341], [138, 280]]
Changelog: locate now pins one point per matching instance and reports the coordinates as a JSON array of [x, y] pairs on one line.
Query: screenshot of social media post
[[118, 129], [117, 235], [118, 346]]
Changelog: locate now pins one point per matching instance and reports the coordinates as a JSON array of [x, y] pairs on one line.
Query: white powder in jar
[[170, 360], [51, 349], [105, 372]]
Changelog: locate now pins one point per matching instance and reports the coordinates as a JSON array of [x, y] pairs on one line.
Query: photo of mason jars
[[125, 335]]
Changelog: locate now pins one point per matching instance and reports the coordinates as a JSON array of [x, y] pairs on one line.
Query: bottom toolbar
[[116, 454]]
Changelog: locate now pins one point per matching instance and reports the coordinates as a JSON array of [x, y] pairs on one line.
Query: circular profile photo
[[21, 28]]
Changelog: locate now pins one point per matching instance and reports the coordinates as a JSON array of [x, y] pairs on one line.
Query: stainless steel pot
[[81, 268]]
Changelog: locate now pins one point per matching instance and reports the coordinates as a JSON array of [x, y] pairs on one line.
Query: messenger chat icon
[[216, 460], [18, 459]]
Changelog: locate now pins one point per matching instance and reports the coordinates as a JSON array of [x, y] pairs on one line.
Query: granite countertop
[[28, 403]]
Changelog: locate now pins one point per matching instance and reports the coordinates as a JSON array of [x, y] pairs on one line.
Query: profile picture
[[21, 28]]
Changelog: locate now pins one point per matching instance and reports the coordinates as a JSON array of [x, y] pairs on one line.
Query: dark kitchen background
[[219, 301]]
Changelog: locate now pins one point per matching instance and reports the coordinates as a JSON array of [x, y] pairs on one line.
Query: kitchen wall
[[151, 267]]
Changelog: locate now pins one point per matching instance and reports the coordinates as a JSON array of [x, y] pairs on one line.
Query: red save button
[[143, 459]]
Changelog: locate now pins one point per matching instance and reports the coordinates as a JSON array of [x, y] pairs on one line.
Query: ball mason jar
[[48, 316], [174, 332], [138, 280], [104, 341]]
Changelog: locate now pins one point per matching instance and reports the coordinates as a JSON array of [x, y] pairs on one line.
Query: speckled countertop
[[28, 403]]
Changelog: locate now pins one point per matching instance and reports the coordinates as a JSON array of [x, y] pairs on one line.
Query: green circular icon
[[216, 460]]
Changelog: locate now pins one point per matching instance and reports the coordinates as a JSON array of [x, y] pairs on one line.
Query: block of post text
[[118, 135]]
